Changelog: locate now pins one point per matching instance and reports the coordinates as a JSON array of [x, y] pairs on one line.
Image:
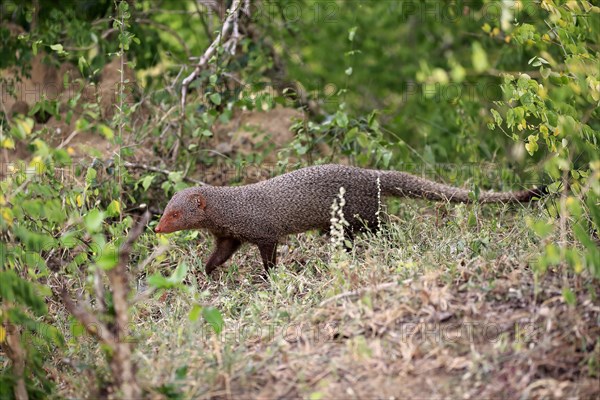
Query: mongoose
[[263, 213]]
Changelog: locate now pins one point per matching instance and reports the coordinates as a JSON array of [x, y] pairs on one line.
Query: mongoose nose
[[157, 229]]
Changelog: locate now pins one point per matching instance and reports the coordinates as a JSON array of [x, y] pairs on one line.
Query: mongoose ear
[[200, 201]]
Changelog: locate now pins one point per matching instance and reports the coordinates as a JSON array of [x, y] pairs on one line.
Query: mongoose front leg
[[268, 252], [225, 247]]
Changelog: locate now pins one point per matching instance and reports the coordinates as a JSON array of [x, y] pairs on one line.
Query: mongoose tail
[[401, 184]]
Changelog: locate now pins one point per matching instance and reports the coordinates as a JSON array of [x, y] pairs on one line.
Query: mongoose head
[[185, 210]]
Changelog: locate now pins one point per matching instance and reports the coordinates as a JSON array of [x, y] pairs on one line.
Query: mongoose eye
[[175, 214]]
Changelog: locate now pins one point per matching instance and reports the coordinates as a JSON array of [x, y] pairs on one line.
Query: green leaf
[[373, 122], [552, 118], [179, 273], [523, 81], [158, 281], [215, 98], [82, 124], [181, 372], [195, 312], [49, 332], [362, 139], [541, 228], [69, 239], [574, 259], [497, 117], [532, 146], [90, 175], [22, 127], [479, 57], [175, 280], [34, 241], [341, 119], [552, 254], [109, 257], [593, 202], [106, 131], [351, 135], [81, 63], [472, 220], [93, 220], [175, 176], [77, 329], [17, 290], [214, 318], [147, 181], [62, 157], [113, 209], [569, 296], [545, 72]]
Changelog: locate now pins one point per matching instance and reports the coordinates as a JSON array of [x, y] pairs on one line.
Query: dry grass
[[432, 307]]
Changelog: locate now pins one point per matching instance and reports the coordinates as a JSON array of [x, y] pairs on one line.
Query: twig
[[156, 253], [15, 352], [134, 234], [122, 365], [122, 356], [161, 171], [142, 296], [115, 336], [358, 292], [231, 20], [203, 21], [90, 322]]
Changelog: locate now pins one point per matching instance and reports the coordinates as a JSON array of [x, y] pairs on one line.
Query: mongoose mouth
[[160, 229]]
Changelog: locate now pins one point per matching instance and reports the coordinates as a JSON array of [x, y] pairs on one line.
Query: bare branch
[[90, 322], [122, 364], [230, 24], [207, 31], [115, 337], [134, 234], [118, 276], [17, 355]]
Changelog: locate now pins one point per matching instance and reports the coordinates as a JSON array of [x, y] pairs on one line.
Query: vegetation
[[110, 107]]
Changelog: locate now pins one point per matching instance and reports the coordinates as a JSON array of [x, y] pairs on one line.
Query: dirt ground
[[429, 339]]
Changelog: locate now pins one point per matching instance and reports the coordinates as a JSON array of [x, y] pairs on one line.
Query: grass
[[442, 303]]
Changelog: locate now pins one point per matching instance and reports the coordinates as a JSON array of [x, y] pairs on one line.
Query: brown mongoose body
[[262, 213]]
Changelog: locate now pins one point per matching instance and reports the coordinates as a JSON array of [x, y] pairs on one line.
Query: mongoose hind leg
[[225, 247], [268, 252]]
